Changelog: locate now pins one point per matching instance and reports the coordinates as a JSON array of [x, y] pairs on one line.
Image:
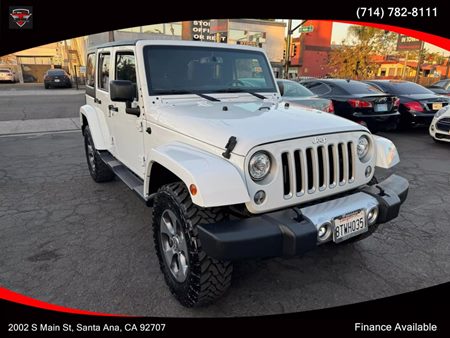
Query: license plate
[[349, 225], [437, 106], [56, 80], [381, 107]]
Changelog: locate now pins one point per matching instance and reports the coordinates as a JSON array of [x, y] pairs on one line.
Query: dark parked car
[[441, 87], [294, 93], [417, 103], [359, 102], [57, 78]]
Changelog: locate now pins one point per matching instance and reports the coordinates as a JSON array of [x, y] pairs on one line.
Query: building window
[[391, 71], [243, 37], [383, 72]]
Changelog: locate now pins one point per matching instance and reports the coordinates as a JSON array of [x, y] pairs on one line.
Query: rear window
[[318, 88], [355, 87], [5, 71], [56, 72], [294, 89], [404, 88]]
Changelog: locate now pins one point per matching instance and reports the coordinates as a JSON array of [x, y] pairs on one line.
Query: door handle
[[97, 100], [113, 108]]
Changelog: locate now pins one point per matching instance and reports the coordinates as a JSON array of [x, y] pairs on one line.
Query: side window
[[125, 66], [103, 71], [90, 70]]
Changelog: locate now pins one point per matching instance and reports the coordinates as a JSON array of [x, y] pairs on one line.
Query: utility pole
[[288, 49], [448, 67], [419, 61], [405, 65]]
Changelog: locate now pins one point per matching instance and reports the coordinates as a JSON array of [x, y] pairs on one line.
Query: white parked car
[[440, 126], [7, 75], [231, 170]]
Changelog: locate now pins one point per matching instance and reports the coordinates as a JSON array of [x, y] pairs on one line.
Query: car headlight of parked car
[[440, 112], [259, 165], [363, 147]]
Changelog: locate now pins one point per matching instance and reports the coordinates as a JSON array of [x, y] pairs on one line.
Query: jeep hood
[[252, 123]]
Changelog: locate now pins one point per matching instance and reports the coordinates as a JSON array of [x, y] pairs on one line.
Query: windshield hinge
[[232, 141]]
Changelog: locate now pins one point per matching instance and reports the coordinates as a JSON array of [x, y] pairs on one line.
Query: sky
[[340, 33]]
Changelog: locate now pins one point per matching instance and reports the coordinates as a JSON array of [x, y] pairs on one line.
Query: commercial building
[[311, 51], [31, 64]]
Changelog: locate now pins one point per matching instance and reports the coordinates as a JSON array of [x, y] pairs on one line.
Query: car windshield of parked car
[[4, 71], [187, 69], [355, 87], [294, 89], [405, 88]]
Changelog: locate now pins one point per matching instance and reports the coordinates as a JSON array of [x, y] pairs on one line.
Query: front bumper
[[383, 122], [294, 231]]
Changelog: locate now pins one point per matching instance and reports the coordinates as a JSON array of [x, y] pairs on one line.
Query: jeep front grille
[[317, 168]]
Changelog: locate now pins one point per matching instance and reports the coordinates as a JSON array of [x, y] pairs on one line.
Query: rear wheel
[[193, 277], [47, 86], [98, 169]]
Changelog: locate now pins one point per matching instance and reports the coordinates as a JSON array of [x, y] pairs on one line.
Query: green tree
[[355, 57]]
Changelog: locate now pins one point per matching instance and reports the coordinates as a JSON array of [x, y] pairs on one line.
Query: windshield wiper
[[240, 90], [175, 91]]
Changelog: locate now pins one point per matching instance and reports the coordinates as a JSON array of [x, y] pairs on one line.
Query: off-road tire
[[207, 279], [100, 172]]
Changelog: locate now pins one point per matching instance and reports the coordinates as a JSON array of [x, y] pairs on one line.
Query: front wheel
[[193, 277]]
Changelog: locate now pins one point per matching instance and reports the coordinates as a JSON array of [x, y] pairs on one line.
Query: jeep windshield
[[173, 70]]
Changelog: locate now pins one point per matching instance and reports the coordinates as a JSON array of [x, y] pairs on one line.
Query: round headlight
[[362, 147], [441, 112], [259, 165]]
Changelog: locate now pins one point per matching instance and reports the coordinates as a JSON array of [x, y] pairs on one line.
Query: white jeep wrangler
[[199, 131]]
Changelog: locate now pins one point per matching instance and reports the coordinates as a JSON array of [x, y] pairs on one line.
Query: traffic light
[[284, 54], [294, 50]]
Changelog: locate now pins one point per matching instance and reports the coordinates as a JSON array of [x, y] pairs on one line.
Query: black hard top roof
[[115, 44]]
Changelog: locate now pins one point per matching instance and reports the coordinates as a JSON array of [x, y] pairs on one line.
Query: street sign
[[306, 29]]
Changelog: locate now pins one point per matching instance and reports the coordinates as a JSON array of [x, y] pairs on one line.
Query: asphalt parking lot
[[68, 240], [31, 101]]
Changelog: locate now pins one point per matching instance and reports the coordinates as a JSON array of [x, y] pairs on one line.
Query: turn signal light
[[193, 189], [330, 108]]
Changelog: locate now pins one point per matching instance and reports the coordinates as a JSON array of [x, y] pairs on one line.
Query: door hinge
[[112, 140]]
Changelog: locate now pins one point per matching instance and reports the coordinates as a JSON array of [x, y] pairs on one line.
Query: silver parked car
[[293, 92]]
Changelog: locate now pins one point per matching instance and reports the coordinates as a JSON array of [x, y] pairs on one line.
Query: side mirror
[[122, 90], [281, 87]]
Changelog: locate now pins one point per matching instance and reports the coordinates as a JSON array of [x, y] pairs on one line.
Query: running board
[[126, 175]]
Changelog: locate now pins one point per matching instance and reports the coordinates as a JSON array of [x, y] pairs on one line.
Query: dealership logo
[[21, 17]]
